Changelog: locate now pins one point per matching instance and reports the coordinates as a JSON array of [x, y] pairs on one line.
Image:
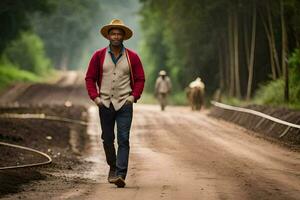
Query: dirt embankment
[[264, 127], [63, 142]]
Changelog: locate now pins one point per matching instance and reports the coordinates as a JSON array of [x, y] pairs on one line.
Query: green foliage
[[14, 17], [66, 30], [10, 73], [153, 49], [272, 92], [294, 65], [232, 101], [196, 38], [20, 51], [178, 98], [28, 54], [177, 38]]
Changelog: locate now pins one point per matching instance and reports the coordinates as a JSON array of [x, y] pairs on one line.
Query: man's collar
[[122, 49]]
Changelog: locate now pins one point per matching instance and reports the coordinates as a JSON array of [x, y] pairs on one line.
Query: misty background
[[78, 24], [127, 11], [245, 51]]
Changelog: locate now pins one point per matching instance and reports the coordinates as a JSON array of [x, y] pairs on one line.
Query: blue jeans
[[123, 118]]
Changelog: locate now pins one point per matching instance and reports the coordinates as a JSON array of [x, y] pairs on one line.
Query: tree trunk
[[252, 50], [236, 54], [231, 57], [284, 53], [275, 54], [226, 64], [246, 40], [268, 34], [221, 68]]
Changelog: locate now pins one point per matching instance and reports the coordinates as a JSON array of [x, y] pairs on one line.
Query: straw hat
[[116, 23], [162, 73]]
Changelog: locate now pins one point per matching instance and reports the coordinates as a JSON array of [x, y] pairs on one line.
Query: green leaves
[[199, 38], [14, 17], [28, 54], [67, 29]]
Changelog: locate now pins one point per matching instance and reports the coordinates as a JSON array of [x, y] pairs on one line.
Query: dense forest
[[242, 49], [39, 36], [62, 27], [235, 46]]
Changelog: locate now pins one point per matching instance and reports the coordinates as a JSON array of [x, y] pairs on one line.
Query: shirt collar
[[122, 49]]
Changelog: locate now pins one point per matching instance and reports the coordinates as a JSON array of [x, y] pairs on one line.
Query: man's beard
[[116, 43]]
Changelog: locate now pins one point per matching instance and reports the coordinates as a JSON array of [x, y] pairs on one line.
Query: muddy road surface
[[177, 155]]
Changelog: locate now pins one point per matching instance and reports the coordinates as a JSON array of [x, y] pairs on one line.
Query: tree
[[218, 41], [15, 17], [66, 30], [252, 49]]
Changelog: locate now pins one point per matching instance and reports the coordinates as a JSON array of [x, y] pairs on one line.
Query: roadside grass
[[269, 94], [25, 60], [233, 101], [10, 74], [273, 94]]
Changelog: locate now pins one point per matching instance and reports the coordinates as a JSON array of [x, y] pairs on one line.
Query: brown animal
[[195, 94]]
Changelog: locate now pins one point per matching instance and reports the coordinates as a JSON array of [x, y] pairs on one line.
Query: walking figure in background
[[163, 88], [195, 94], [118, 73]]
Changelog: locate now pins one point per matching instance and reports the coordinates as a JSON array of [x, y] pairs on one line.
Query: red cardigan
[[95, 71]]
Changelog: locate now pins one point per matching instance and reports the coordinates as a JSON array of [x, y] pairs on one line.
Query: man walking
[[114, 81], [163, 88]]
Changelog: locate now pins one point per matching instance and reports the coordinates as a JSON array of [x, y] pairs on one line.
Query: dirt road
[[183, 155], [179, 154]]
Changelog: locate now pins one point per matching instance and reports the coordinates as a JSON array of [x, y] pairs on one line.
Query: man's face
[[116, 37]]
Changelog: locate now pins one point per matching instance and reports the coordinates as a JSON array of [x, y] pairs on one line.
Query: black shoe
[[119, 182], [111, 175]]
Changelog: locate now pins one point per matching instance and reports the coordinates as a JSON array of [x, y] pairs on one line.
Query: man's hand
[[97, 101], [130, 100]]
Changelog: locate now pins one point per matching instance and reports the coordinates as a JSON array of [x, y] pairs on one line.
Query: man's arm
[[139, 78], [91, 77]]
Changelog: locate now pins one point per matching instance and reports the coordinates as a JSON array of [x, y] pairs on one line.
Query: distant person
[[114, 81], [163, 88], [195, 94]]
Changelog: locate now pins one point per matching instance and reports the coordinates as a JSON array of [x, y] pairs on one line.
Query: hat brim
[[128, 32]]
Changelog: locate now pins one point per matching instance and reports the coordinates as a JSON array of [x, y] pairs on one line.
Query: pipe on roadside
[[49, 159]]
